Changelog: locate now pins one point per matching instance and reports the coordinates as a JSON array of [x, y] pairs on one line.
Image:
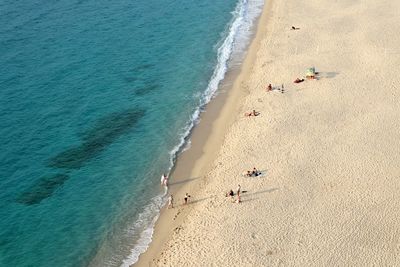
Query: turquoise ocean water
[[96, 100]]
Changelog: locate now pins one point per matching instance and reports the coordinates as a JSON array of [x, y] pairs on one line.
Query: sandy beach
[[327, 148]]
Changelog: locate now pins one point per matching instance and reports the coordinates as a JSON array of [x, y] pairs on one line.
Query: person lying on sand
[[311, 74], [298, 80], [253, 113]]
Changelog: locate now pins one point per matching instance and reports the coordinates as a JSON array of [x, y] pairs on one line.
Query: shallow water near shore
[[96, 100]]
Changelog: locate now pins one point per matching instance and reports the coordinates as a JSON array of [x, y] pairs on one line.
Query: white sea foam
[[147, 234], [233, 45], [230, 51]]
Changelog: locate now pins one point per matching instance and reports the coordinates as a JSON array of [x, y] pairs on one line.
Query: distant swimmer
[[164, 180]]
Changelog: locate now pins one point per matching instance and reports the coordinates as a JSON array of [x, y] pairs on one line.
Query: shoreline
[[206, 140]]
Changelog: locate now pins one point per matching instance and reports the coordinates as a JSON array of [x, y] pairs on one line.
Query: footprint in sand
[[269, 253], [176, 215], [178, 229]]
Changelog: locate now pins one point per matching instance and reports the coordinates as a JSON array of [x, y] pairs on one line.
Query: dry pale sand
[[329, 149]]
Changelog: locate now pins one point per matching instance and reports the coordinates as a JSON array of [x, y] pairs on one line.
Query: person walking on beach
[[238, 190], [164, 180], [186, 198], [171, 202]]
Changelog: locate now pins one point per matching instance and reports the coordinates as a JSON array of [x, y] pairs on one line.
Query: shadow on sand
[[251, 194], [183, 181], [194, 201], [180, 202], [328, 75]]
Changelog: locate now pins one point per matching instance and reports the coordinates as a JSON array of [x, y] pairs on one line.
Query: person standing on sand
[[238, 190], [238, 200], [186, 198], [171, 202]]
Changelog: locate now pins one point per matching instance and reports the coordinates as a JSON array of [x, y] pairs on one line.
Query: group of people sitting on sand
[[254, 172], [311, 74]]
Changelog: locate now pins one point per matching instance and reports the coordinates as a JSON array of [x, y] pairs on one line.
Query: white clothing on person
[[164, 180]]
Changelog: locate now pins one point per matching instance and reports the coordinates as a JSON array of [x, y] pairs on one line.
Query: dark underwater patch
[[4, 242], [143, 90], [141, 68], [104, 132], [75, 157], [43, 189], [130, 79]]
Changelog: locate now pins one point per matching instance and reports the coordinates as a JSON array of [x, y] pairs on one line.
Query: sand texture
[[328, 148]]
